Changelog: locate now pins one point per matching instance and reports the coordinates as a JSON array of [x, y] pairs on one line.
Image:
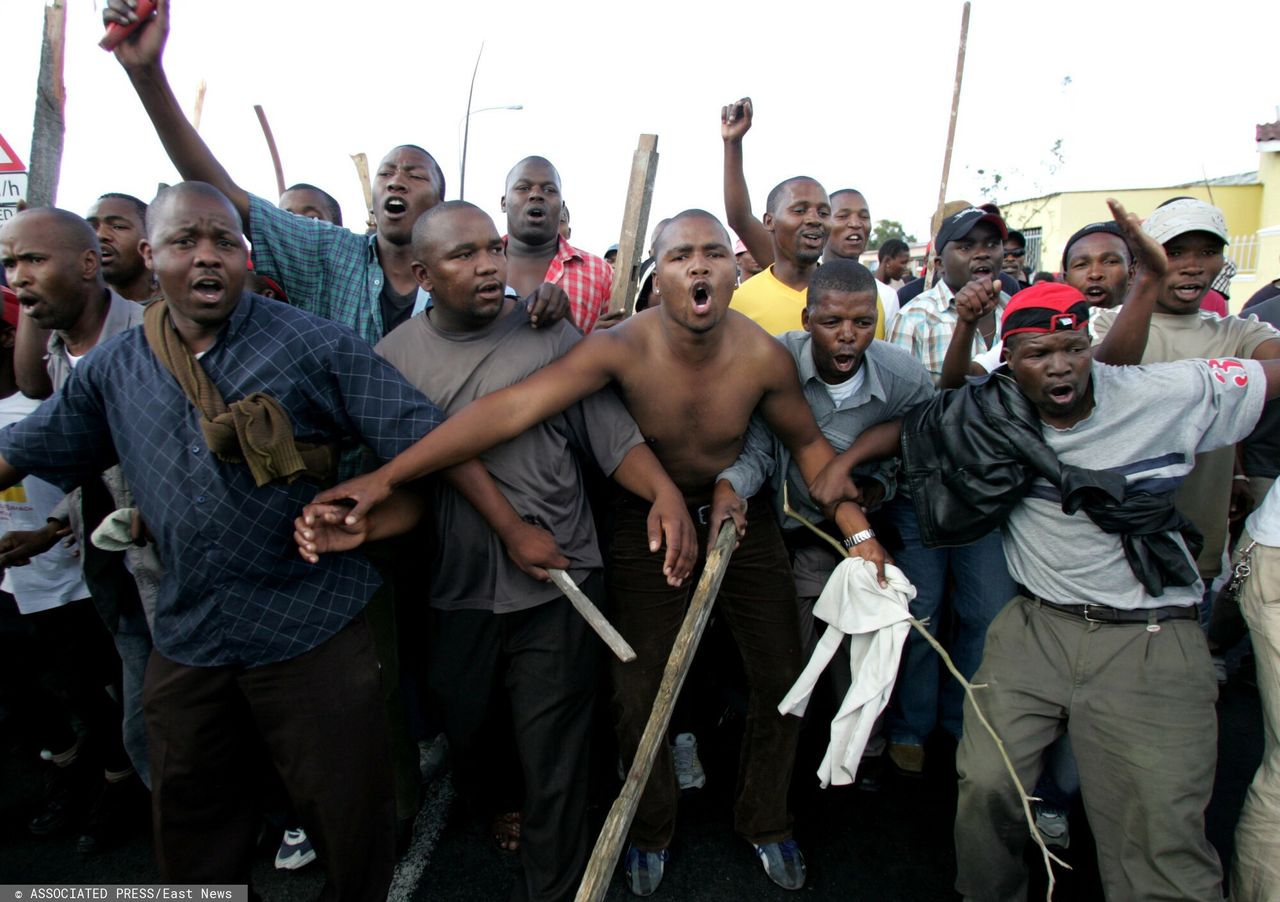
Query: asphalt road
[[894, 844]]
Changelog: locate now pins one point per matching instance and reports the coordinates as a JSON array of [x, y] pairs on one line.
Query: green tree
[[886, 229]]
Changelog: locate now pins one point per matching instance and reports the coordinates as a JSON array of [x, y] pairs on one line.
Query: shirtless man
[[690, 372]]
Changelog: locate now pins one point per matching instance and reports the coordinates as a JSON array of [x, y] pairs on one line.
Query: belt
[[1101, 613]]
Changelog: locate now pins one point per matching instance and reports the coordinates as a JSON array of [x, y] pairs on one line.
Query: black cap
[[1110, 227], [957, 225]]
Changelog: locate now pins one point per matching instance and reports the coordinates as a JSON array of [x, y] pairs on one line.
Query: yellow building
[[1250, 201]]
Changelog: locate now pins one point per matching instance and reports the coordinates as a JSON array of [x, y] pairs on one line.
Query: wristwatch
[[858, 538]]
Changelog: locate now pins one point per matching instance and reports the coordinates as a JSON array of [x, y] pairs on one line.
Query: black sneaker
[[119, 810], [67, 793]]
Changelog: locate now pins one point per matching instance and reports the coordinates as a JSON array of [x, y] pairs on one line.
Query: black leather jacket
[[970, 454]]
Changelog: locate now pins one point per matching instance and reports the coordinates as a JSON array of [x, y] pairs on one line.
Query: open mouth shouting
[[1063, 394], [1096, 295], [208, 289], [395, 207], [845, 361], [1188, 292], [535, 213], [701, 293]]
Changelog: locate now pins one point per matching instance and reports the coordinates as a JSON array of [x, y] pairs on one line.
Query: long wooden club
[[609, 844]]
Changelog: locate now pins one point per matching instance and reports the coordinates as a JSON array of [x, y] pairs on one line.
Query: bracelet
[[1239, 478], [858, 538]]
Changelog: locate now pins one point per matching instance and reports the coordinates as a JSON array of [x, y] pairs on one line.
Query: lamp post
[[465, 123]]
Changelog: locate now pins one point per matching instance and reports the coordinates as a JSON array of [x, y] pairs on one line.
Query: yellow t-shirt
[[776, 307]]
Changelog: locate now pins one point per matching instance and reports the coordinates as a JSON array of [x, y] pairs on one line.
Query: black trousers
[[57, 664], [322, 719], [540, 664]]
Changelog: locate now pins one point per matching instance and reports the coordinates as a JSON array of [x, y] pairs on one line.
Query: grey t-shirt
[[1205, 495], [1148, 423], [536, 471]]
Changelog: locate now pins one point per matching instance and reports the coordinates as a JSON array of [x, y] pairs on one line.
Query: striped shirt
[[925, 325]]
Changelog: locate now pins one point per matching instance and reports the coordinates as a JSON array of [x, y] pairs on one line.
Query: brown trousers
[[322, 719], [758, 602]]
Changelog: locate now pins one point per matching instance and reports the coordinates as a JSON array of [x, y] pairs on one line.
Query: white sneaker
[[295, 851], [689, 772], [1052, 824]]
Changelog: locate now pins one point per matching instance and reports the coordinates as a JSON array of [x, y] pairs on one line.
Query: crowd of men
[[299, 511]]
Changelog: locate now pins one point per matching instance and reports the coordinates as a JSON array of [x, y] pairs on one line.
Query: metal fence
[[1242, 250]]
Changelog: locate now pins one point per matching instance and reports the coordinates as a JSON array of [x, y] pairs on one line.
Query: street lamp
[[465, 124]]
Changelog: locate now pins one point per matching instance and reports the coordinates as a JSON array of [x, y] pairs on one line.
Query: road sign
[[13, 180], [9, 161]]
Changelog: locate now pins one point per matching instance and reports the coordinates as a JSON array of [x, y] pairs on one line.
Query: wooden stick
[[635, 225], [951, 137], [362, 170], [49, 127], [199, 110], [271, 146], [604, 857], [597, 621], [969, 688]]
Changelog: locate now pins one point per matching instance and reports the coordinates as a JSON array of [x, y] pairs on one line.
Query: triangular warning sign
[[9, 161]]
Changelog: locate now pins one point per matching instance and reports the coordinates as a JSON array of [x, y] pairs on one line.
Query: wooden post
[[49, 126], [271, 146], [951, 137], [362, 170], [595, 882], [635, 225]]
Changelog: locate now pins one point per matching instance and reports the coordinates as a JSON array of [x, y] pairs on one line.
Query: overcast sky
[[857, 95]]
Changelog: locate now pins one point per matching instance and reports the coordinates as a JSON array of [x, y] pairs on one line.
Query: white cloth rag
[[876, 620]]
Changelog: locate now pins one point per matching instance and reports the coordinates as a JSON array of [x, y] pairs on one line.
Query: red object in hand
[[117, 32]]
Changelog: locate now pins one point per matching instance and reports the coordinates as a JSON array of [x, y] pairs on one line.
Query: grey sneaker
[[689, 772], [644, 870], [1052, 824], [783, 863]]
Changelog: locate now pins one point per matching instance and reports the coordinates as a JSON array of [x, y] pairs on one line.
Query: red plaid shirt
[[585, 278]]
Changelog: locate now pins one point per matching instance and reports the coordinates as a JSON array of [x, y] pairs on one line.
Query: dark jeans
[[61, 669], [926, 695], [758, 603], [540, 665], [322, 718]]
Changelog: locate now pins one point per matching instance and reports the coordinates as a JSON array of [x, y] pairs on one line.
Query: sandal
[[506, 831]]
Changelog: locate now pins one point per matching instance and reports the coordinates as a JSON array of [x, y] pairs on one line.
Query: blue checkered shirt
[[235, 591], [325, 269]]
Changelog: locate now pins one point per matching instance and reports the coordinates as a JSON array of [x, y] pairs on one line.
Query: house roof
[[1240, 178], [1269, 132]]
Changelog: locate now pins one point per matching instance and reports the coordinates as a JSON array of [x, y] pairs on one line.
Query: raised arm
[[490, 420], [973, 302], [735, 120], [140, 55], [1126, 340]]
